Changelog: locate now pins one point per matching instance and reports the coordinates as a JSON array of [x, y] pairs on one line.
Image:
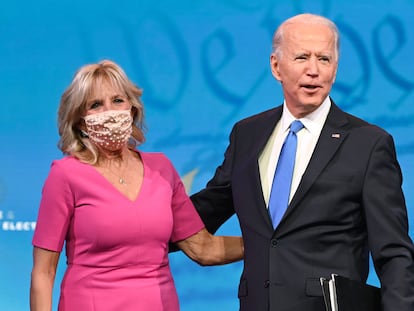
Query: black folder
[[343, 294]]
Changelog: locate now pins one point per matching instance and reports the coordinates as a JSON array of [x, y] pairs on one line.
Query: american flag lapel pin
[[336, 135]]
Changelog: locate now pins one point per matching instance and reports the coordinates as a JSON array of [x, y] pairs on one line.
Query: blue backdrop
[[203, 65]]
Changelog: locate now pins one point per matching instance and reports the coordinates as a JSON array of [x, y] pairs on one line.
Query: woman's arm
[[207, 249], [43, 276]]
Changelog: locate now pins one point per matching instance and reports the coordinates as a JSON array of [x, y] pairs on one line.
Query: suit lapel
[[261, 137], [331, 137]]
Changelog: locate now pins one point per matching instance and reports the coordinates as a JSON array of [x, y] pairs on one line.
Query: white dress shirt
[[307, 139]]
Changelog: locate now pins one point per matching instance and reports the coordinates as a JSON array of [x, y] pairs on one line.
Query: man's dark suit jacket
[[349, 202]]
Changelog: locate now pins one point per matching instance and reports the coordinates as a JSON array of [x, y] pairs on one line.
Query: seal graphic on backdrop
[[8, 219]]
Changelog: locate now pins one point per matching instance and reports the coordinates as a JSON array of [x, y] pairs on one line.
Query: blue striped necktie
[[282, 180]]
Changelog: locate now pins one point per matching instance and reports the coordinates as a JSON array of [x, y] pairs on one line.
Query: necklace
[[119, 177]]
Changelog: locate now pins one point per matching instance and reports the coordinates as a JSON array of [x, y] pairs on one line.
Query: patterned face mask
[[110, 129]]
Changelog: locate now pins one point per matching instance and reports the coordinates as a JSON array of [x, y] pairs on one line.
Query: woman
[[115, 207]]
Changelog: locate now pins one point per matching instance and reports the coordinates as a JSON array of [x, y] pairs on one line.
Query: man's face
[[307, 66]]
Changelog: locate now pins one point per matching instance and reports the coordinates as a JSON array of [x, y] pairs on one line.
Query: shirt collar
[[313, 122]]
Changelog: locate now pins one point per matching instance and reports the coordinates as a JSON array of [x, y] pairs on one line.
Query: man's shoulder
[[357, 123], [263, 116]]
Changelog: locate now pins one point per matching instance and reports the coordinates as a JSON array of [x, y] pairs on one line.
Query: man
[[345, 195]]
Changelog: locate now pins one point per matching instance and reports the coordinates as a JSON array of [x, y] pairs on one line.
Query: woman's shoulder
[[67, 165], [67, 162], [157, 161], [154, 157]]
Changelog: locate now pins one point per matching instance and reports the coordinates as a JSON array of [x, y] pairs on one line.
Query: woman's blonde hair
[[72, 109]]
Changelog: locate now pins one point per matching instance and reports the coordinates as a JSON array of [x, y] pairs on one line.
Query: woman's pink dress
[[117, 249]]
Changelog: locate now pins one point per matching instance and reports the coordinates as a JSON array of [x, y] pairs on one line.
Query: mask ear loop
[[81, 126], [83, 134]]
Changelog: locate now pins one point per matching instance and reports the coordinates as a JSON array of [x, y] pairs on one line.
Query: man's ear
[[274, 66], [336, 70]]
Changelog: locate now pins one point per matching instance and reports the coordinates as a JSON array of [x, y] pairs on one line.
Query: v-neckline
[[116, 189]]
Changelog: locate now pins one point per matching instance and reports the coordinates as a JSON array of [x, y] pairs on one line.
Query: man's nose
[[313, 66]]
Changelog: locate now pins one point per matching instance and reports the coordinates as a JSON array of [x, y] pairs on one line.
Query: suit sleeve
[[387, 224], [215, 202]]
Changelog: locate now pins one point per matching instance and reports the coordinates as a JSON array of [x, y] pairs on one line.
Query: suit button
[[273, 242], [266, 284]]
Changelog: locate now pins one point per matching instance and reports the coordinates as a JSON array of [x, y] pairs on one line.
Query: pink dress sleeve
[[186, 220], [56, 208]]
